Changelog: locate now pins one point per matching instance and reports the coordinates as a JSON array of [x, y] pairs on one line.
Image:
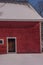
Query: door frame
[[15, 43]]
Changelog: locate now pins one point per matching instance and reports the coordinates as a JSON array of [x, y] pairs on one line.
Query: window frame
[[2, 41]]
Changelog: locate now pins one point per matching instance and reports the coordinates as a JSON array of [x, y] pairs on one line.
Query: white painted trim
[[40, 39], [15, 43], [29, 20], [2, 41]]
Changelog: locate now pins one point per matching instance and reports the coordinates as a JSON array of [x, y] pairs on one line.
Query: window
[[1, 41]]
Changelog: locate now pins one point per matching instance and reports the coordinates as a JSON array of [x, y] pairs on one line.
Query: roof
[[10, 11]]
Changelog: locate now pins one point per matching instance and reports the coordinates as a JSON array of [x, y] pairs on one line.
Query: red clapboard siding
[[26, 33]]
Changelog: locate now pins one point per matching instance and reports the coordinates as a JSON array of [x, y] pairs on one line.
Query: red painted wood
[[27, 34]]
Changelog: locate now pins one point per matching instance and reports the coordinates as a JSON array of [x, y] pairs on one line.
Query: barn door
[[11, 45]]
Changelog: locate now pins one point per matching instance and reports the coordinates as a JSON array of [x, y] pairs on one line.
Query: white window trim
[[2, 41], [15, 43]]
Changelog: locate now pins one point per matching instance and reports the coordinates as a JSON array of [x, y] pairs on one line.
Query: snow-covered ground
[[21, 59], [17, 11]]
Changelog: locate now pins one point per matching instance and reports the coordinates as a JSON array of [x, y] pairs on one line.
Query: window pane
[[1, 41]]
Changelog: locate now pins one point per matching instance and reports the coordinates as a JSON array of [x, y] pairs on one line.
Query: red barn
[[19, 37]]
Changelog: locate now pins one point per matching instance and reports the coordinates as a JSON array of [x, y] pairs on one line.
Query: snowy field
[[17, 11], [21, 59]]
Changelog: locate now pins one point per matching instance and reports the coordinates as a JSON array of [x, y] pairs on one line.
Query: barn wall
[[28, 38]]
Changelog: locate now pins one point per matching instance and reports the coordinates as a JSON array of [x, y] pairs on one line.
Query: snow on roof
[[17, 11]]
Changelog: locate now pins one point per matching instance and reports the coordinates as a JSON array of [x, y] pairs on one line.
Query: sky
[[37, 6]]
